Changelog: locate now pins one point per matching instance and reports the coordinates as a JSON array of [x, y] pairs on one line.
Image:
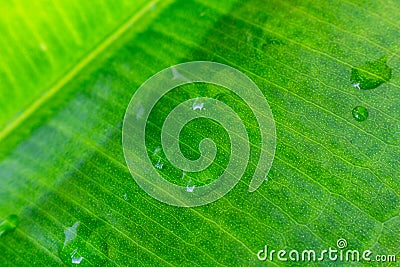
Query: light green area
[[62, 162], [42, 40]]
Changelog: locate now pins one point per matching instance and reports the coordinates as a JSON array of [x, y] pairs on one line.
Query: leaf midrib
[[75, 70]]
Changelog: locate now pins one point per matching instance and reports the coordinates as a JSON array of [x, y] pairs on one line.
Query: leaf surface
[[62, 168]]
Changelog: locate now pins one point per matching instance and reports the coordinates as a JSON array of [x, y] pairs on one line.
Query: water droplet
[[197, 105], [248, 38], [75, 258], [85, 244], [70, 233], [139, 111], [357, 85], [360, 113], [177, 75], [371, 74], [159, 165], [9, 224], [156, 150], [189, 188]]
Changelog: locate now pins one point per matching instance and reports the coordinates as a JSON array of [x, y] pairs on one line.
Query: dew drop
[[190, 188], [159, 165], [85, 243], [156, 150], [139, 111], [371, 74], [360, 113], [248, 38], [70, 233], [197, 105], [75, 258], [9, 224], [177, 75]]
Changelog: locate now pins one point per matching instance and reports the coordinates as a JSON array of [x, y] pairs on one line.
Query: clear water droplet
[[177, 75], [70, 233], [197, 106], [190, 188], [371, 74], [159, 165], [139, 111], [85, 243], [360, 113], [9, 224], [75, 258], [156, 150]]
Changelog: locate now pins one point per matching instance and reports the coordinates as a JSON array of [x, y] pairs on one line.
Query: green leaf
[[68, 70]]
